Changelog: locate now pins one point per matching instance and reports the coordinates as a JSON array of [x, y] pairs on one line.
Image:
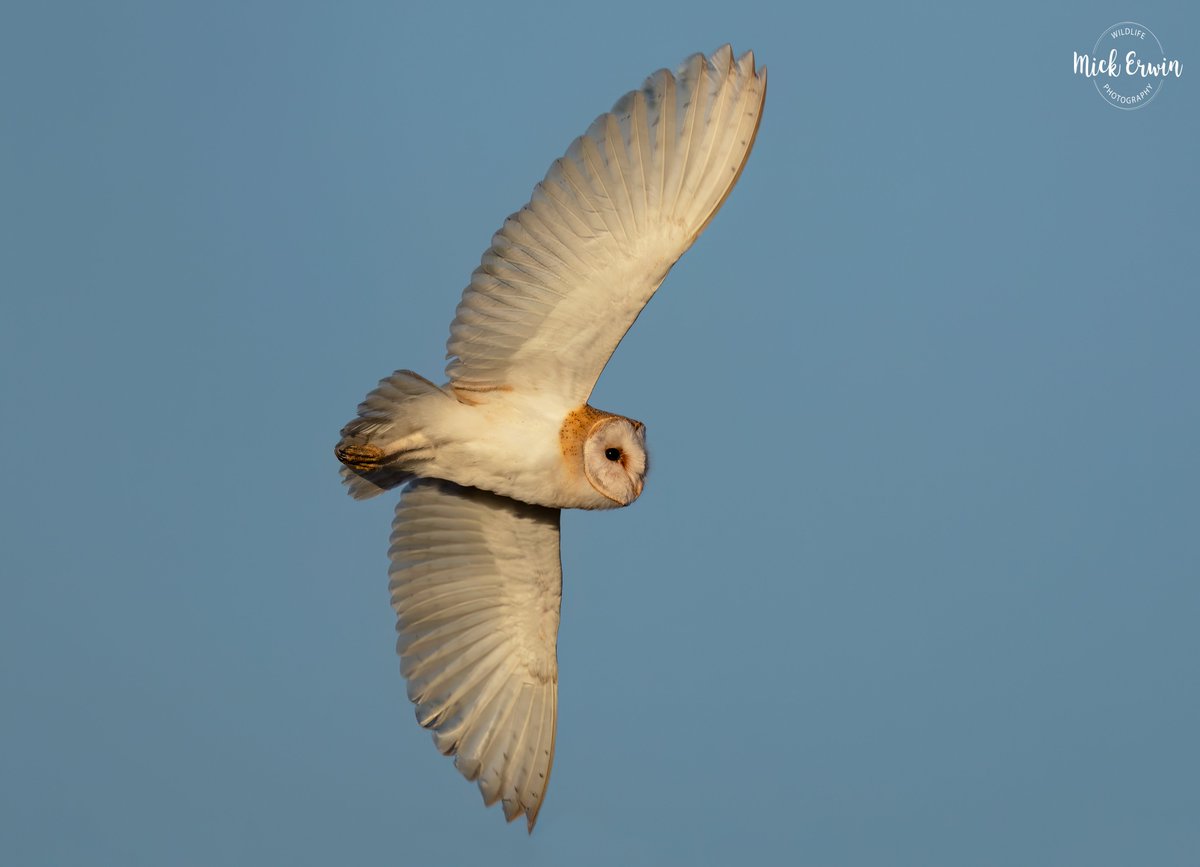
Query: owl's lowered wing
[[476, 583], [567, 275]]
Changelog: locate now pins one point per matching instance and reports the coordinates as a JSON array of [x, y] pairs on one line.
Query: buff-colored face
[[615, 459]]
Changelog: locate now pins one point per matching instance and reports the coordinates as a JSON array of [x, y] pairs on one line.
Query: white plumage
[[568, 274], [495, 453], [476, 584]]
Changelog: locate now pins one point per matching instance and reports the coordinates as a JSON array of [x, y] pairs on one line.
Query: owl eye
[[613, 454]]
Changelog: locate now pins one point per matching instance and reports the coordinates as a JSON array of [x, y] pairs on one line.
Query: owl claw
[[363, 458]]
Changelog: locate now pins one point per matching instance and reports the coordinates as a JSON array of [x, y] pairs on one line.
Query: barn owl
[[490, 458]]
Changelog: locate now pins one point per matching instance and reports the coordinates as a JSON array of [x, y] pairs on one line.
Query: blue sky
[[915, 579]]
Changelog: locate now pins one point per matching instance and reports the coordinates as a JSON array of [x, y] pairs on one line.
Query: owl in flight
[[492, 456]]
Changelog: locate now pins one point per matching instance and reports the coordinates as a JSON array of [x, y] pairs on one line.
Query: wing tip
[[531, 813]]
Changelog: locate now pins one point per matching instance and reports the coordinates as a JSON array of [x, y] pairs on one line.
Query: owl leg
[[387, 444], [370, 470], [358, 454]]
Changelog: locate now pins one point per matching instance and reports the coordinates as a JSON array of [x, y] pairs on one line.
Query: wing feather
[[476, 584], [568, 274]]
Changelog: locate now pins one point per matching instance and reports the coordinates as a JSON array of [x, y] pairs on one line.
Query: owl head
[[615, 459]]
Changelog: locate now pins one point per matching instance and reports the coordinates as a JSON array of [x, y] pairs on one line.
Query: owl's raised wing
[[476, 583], [567, 275]]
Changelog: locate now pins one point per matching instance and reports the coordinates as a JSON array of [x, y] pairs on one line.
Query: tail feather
[[365, 484], [378, 449]]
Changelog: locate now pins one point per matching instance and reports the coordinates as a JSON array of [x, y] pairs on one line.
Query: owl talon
[[363, 458]]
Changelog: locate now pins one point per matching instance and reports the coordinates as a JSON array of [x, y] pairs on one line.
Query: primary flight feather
[[492, 456]]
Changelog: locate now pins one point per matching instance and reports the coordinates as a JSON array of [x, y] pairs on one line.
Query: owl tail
[[384, 446]]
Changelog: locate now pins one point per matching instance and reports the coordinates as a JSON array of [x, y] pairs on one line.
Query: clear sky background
[[916, 576]]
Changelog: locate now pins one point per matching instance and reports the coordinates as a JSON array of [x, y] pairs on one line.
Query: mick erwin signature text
[[1133, 66]]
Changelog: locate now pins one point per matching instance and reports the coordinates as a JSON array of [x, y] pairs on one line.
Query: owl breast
[[516, 446]]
